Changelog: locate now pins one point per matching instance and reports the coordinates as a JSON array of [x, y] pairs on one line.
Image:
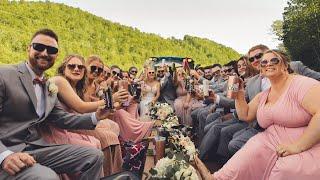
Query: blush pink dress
[[104, 137], [131, 129], [180, 111], [284, 122]]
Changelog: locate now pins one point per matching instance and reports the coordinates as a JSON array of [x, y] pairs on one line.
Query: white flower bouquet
[[160, 111], [174, 169], [183, 144], [170, 122]]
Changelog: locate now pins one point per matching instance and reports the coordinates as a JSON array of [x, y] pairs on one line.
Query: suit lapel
[[26, 81]]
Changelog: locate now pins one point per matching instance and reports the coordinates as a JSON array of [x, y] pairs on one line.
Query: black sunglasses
[[41, 47], [216, 72], [133, 72], [257, 56], [115, 73], [74, 66], [160, 71], [273, 61], [228, 70], [151, 72], [96, 69], [107, 74]]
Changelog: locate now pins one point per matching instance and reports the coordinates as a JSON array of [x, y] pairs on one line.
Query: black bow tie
[[41, 82]]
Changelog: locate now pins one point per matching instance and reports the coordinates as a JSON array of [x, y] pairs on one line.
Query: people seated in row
[[254, 85], [72, 88], [219, 126], [223, 125], [289, 145]]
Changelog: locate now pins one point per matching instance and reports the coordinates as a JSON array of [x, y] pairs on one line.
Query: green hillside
[[83, 33]]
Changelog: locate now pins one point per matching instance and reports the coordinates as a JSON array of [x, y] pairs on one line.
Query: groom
[[26, 101], [167, 88]]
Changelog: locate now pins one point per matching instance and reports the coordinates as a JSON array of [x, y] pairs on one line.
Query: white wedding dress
[[149, 93]]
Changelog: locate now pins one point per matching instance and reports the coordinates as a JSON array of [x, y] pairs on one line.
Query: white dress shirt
[[39, 91]]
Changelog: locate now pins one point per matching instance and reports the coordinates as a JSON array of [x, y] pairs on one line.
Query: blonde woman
[[150, 92]]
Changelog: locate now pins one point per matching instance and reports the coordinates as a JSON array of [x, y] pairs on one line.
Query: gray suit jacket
[[300, 68], [216, 86], [167, 90], [252, 89], [19, 120]]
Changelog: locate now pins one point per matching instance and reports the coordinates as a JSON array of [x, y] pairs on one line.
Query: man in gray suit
[[167, 88], [26, 102]]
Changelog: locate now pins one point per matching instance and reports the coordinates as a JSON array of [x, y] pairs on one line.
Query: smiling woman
[[71, 84], [94, 74]]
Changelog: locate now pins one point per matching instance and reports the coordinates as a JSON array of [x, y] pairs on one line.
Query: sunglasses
[[161, 71], [107, 74], [216, 72], [150, 72], [115, 73], [273, 61], [227, 70], [257, 56], [133, 72], [96, 69], [74, 66], [41, 47], [241, 65]]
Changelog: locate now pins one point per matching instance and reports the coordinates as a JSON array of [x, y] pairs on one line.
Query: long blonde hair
[[147, 73]]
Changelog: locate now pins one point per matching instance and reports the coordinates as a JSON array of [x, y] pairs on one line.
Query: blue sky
[[238, 24]]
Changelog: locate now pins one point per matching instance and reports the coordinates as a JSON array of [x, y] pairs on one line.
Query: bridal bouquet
[[174, 169], [160, 111], [183, 144], [170, 122]]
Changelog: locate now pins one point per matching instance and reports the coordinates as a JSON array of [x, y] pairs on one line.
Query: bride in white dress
[[150, 92]]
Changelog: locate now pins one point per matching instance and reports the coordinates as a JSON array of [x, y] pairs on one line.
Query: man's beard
[[35, 62], [208, 77]]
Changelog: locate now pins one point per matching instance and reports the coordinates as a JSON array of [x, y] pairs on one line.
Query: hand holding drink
[[123, 85], [233, 87]]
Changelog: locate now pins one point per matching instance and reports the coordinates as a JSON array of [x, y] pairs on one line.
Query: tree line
[[86, 34], [300, 31]]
